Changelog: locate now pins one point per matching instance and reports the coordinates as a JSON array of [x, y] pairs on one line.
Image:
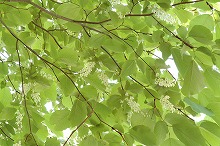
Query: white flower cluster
[[164, 82], [133, 104], [114, 2], [27, 88], [166, 104], [162, 15], [17, 144], [87, 69], [36, 98], [104, 78], [19, 118]]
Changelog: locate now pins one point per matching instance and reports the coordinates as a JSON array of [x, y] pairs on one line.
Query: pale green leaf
[[78, 113], [128, 68], [205, 36], [60, 120], [197, 107], [143, 135], [7, 113], [193, 80]]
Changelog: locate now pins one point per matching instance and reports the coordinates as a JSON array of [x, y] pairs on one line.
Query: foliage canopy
[[96, 64]]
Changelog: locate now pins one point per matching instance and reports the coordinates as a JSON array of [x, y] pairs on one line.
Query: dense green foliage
[[94, 67]]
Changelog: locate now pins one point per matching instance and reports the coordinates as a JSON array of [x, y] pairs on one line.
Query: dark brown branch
[[22, 90], [47, 62], [183, 113], [144, 87], [3, 3], [116, 130], [111, 57], [130, 47], [49, 34], [88, 116], [68, 19], [13, 85], [182, 3], [176, 36], [6, 134]]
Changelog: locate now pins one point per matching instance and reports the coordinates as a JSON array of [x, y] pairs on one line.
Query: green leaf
[[172, 142], [211, 127], [183, 15], [52, 142], [204, 20], [160, 131], [59, 118], [143, 135], [71, 11], [205, 36], [217, 27], [15, 17], [42, 133], [212, 77], [5, 96], [112, 138], [114, 45], [88, 141], [95, 82], [185, 130], [7, 113], [165, 48], [198, 108], [115, 18], [193, 80], [78, 113], [128, 68], [68, 56], [66, 85], [182, 61], [3, 69], [158, 36]]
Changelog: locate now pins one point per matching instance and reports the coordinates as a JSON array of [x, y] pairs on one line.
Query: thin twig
[[88, 116], [23, 93], [176, 36], [182, 3], [48, 33], [6, 134]]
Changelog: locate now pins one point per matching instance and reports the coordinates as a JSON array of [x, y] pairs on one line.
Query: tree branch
[[6, 134], [48, 33], [22, 91], [88, 116], [176, 36], [68, 19], [182, 3]]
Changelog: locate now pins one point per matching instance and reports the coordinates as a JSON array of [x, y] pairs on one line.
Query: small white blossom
[[129, 116], [87, 69], [36, 98], [164, 82], [133, 105], [27, 88], [166, 104], [114, 2], [17, 144], [162, 15], [104, 78], [19, 118]]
